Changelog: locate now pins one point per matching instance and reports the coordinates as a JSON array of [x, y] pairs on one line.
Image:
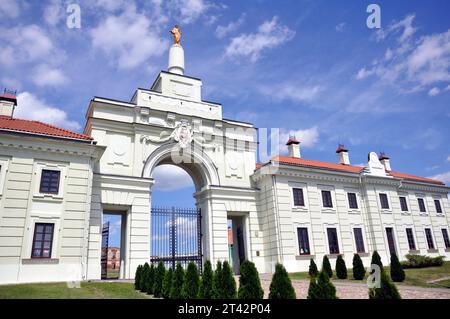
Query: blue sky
[[309, 67]]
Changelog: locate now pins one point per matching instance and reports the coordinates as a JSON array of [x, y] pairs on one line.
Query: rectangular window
[[359, 241], [429, 238], [391, 239], [303, 241], [49, 182], [42, 240], [326, 199], [384, 201], [298, 197], [352, 202], [403, 204], [411, 241], [333, 243], [437, 203], [421, 205], [446, 239]]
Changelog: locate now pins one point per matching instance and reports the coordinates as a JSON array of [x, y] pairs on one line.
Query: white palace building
[[56, 185]]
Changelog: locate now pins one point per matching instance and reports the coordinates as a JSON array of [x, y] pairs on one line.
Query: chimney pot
[[342, 155], [8, 102], [293, 147], [384, 159]]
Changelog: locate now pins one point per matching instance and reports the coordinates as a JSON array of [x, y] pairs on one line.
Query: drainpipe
[[277, 215]]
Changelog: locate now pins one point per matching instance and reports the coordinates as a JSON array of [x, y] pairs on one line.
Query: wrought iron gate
[[176, 236], [104, 255]]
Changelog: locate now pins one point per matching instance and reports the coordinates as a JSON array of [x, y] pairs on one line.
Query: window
[[437, 203], [429, 238], [326, 199], [333, 241], [303, 241], [42, 241], [403, 204], [391, 239], [421, 205], [49, 182], [352, 202], [384, 201], [411, 242], [446, 239], [298, 197], [359, 240]]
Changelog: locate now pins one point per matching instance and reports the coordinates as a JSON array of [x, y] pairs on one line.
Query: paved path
[[354, 290]]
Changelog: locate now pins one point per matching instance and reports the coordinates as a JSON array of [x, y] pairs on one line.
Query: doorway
[[236, 241], [114, 245]]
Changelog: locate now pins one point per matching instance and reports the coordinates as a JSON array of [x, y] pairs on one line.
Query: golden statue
[[176, 34]]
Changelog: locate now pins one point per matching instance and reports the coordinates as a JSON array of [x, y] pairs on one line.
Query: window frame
[[387, 201], [360, 228], [304, 188], [53, 166], [294, 189], [437, 203], [58, 182], [394, 238], [349, 202], [326, 191], [4, 164], [433, 241], [446, 240], [304, 227], [329, 227], [413, 238], [43, 241], [400, 197]]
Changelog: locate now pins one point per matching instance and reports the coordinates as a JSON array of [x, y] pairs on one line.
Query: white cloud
[[128, 39], [292, 91], [307, 137], [448, 158], [443, 177], [24, 44], [44, 75], [413, 64], [222, 31], [9, 8], [434, 91], [270, 34], [188, 10], [170, 178], [340, 27], [30, 107], [54, 12]]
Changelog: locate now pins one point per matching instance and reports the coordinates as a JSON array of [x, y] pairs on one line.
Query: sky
[[310, 68]]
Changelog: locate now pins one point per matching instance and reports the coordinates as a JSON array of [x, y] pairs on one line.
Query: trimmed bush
[[313, 271], [177, 282], [387, 289], [137, 278], [150, 280], [228, 282], [376, 260], [281, 285], [249, 283], [191, 282], [358, 268], [143, 279], [217, 282], [419, 261], [159, 278], [341, 268], [206, 283], [321, 287], [167, 283], [397, 272], [326, 266]]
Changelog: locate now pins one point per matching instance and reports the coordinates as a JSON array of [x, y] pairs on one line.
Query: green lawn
[[88, 290], [414, 277]]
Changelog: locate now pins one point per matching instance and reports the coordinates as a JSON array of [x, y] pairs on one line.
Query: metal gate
[[176, 236], [104, 255]]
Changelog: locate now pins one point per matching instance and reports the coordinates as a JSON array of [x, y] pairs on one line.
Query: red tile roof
[[343, 168], [35, 127]]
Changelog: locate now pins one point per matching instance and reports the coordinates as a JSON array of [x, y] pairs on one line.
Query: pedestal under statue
[[176, 53]]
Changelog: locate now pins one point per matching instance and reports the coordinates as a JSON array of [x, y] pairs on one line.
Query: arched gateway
[[169, 123]]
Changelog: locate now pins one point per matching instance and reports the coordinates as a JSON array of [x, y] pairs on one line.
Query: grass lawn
[[414, 277], [88, 290]]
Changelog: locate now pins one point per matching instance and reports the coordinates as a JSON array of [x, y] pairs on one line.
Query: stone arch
[[202, 169]]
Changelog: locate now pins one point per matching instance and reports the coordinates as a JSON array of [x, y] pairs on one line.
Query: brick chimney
[[8, 102], [342, 155], [384, 159], [293, 147]]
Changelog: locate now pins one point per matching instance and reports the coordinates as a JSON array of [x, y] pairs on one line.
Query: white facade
[[114, 175]]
